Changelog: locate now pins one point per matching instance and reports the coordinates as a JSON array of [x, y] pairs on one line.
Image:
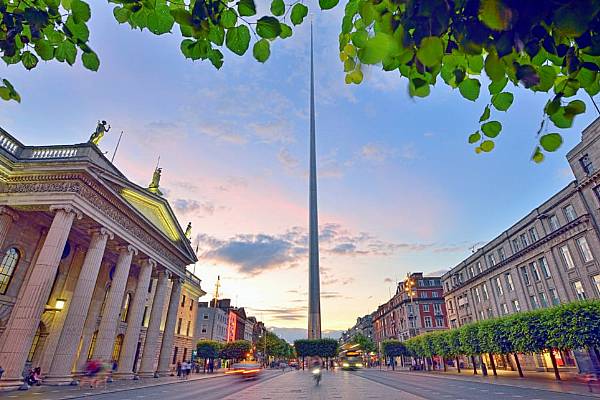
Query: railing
[[64, 152], [8, 144], [192, 278]]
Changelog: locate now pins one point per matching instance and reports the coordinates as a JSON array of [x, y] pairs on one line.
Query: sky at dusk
[[399, 188]]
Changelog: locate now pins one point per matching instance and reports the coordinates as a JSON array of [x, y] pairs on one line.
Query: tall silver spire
[[314, 284]]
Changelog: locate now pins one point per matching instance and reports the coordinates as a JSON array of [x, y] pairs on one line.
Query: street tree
[[394, 348], [551, 47], [235, 350], [208, 350], [365, 343]]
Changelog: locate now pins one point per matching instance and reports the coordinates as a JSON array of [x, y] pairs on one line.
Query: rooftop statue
[[101, 129], [153, 186], [188, 231]]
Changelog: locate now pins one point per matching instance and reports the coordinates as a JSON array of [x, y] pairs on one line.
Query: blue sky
[[399, 187]]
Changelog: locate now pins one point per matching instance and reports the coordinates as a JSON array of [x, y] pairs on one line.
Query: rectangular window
[[450, 306], [509, 281], [471, 272], [596, 282], [524, 240], [570, 213], [425, 307], [501, 254], [439, 321], [579, 292], [525, 275], [203, 330], [499, 290], [191, 304], [424, 295], [534, 302], [150, 285], [435, 294], [477, 296], [145, 317], [187, 330], [492, 260], [437, 308], [554, 296], [535, 272], [533, 234], [484, 290], [179, 322], [544, 267], [586, 164], [516, 247], [205, 316], [515, 305], [586, 253], [554, 225], [479, 267], [490, 313], [183, 301], [504, 308], [427, 322], [481, 314], [175, 355], [543, 299], [566, 256]]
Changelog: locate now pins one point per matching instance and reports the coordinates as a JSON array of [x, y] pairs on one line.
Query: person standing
[[178, 369]]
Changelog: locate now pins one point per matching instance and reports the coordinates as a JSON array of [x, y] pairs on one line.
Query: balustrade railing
[[8, 144], [64, 152]]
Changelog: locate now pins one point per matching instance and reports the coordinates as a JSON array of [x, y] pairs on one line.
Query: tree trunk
[[518, 364], [444, 362], [302, 363], [484, 371], [493, 363], [554, 365], [474, 365], [457, 365], [393, 362], [327, 363]]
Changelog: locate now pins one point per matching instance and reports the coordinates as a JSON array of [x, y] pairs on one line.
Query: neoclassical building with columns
[[92, 266]]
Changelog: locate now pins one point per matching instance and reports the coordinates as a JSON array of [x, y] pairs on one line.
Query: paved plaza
[[359, 385]]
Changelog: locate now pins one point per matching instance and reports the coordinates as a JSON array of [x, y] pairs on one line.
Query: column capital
[[128, 248], [103, 232], [67, 208], [149, 262], [10, 212], [178, 279]]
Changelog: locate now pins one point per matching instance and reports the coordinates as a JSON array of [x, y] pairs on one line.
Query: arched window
[[125, 310], [117, 349], [7, 268]]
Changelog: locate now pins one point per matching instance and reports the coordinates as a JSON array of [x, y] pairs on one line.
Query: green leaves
[[268, 27], [502, 101], [491, 129], [80, 11], [238, 39], [469, 88], [495, 14], [551, 141], [430, 51], [261, 50], [160, 21], [45, 50], [328, 4], [277, 7], [29, 60], [299, 11], [7, 92], [90, 61], [246, 8], [486, 114], [228, 18], [474, 137]]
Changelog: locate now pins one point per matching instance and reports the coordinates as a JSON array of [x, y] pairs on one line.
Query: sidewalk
[[74, 392], [534, 380]]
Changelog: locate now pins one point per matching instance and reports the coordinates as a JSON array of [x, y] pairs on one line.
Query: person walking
[[178, 369]]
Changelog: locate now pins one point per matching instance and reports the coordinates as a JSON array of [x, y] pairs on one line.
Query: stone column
[[153, 331], [28, 309], [166, 347], [134, 325], [66, 350], [7, 217], [110, 316]]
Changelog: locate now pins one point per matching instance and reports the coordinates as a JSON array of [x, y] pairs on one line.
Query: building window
[[427, 322], [596, 282], [187, 330], [477, 296], [566, 256], [205, 316], [191, 304], [586, 164], [439, 321], [579, 292], [544, 267], [570, 214], [586, 253], [534, 302], [501, 254], [504, 308], [533, 234], [437, 308], [481, 315], [554, 225], [492, 260], [490, 313], [183, 301], [145, 317], [525, 275], [179, 322], [175, 355], [125, 309], [543, 299], [509, 281], [424, 294], [450, 306], [484, 290], [515, 305], [435, 294], [425, 307], [499, 289], [471, 272], [203, 330], [117, 348], [479, 267], [92, 345], [184, 354], [534, 271], [7, 268], [150, 285], [524, 240], [554, 296], [516, 247]]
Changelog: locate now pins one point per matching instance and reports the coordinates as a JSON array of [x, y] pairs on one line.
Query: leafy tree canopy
[[366, 344], [548, 46], [208, 348], [235, 350], [394, 348]]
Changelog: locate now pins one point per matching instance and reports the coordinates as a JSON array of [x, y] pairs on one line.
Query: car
[[245, 370]]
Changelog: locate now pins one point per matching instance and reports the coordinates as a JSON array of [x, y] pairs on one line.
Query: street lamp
[[59, 305]]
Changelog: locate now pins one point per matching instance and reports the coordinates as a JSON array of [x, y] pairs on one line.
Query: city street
[[365, 384]]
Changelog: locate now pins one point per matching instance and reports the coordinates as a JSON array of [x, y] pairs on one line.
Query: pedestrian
[[188, 369], [211, 366], [178, 369], [1, 371]]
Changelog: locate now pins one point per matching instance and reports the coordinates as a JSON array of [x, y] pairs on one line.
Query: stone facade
[[548, 257], [79, 246], [363, 326]]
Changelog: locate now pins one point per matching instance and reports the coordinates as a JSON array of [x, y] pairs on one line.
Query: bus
[[351, 359]]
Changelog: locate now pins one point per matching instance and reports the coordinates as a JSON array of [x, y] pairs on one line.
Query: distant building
[[548, 257], [363, 326], [222, 322]]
